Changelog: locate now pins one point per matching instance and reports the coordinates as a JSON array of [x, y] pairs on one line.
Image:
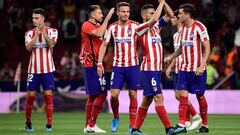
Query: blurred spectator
[[6, 73], [212, 75]]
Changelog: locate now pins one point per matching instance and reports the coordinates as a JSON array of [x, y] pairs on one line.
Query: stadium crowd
[[221, 18]]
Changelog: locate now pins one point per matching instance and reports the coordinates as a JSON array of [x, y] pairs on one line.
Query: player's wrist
[[99, 64]]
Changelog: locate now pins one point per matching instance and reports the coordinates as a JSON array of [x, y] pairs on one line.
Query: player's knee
[[48, 92], [32, 93], [132, 94], [158, 99], [200, 96]]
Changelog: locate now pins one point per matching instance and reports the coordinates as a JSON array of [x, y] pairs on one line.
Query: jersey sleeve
[[107, 35], [161, 22], [88, 28], [28, 37], [203, 33], [142, 28], [53, 34]]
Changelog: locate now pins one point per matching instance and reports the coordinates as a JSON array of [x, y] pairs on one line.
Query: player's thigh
[[183, 81], [198, 84], [33, 82], [151, 82], [47, 81], [92, 81], [132, 77], [117, 78]]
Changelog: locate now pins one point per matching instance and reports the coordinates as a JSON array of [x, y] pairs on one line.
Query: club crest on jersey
[[191, 34], [129, 31]]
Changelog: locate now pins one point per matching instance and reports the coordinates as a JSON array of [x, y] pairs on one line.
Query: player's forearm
[[177, 53], [172, 64], [102, 51], [156, 14], [168, 12], [206, 53], [31, 44]]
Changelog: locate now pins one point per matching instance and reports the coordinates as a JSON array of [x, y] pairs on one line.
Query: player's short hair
[[145, 7], [92, 8], [189, 8], [39, 11], [121, 4], [175, 13]]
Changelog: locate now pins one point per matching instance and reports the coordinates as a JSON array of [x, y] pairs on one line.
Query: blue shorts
[[191, 82], [129, 74], [93, 83], [175, 80], [151, 82], [35, 80]]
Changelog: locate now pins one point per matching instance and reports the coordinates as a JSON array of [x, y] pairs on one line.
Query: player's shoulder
[[114, 24], [52, 29], [199, 24], [134, 22], [29, 31]]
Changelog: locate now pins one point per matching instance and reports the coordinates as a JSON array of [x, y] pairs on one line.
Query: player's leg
[[161, 111], [47, 81], [141, 114], [96, 97], [183, 85], [117, 82], [132, 76], [98, 103], [198, 88], [33, 84]]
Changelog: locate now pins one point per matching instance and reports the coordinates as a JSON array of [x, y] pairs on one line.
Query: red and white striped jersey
[[192, 48], [150, 41], [125, 54], [176, 44], [41, 59]]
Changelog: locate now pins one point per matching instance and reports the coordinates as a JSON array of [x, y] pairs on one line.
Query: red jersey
[[41, 59], [150, 41], [125, 53], [192, 48], [176, 44], [90, 44]]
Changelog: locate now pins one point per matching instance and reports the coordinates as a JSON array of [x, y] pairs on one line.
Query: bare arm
[[170, 67], [168, 12], [102, 50], [206, 54], [156, 14], [100, 31], [174, 55]]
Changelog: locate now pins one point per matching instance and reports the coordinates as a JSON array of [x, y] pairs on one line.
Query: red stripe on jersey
[[116, 46], [198, 53], [186, 56], [40, 37], [41, 59], [123, 46], [35, 59], [48, 65], [154, 48], [192, 47], [30, 64]]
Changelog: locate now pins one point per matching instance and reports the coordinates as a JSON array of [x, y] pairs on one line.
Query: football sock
[[203, 107], [182, 110], [96, 108], [133, 110], [115, 105], [162, 114], [191, 109], [141, 115], [88, 109], [49, 108], [28, 108]]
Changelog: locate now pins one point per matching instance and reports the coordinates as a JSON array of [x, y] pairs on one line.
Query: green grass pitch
[[72, 124]]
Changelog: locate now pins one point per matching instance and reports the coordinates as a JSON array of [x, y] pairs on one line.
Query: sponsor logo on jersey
[[187, 43], [40, 46], [156, 40], [123, 40]]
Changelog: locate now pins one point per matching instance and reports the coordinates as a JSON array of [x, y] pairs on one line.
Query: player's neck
[[123, 23], [92, 21], [189, 23]]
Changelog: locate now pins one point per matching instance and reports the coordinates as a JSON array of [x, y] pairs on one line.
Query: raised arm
[[156, 14], [31, 42], [100, 31], [168, 12]]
